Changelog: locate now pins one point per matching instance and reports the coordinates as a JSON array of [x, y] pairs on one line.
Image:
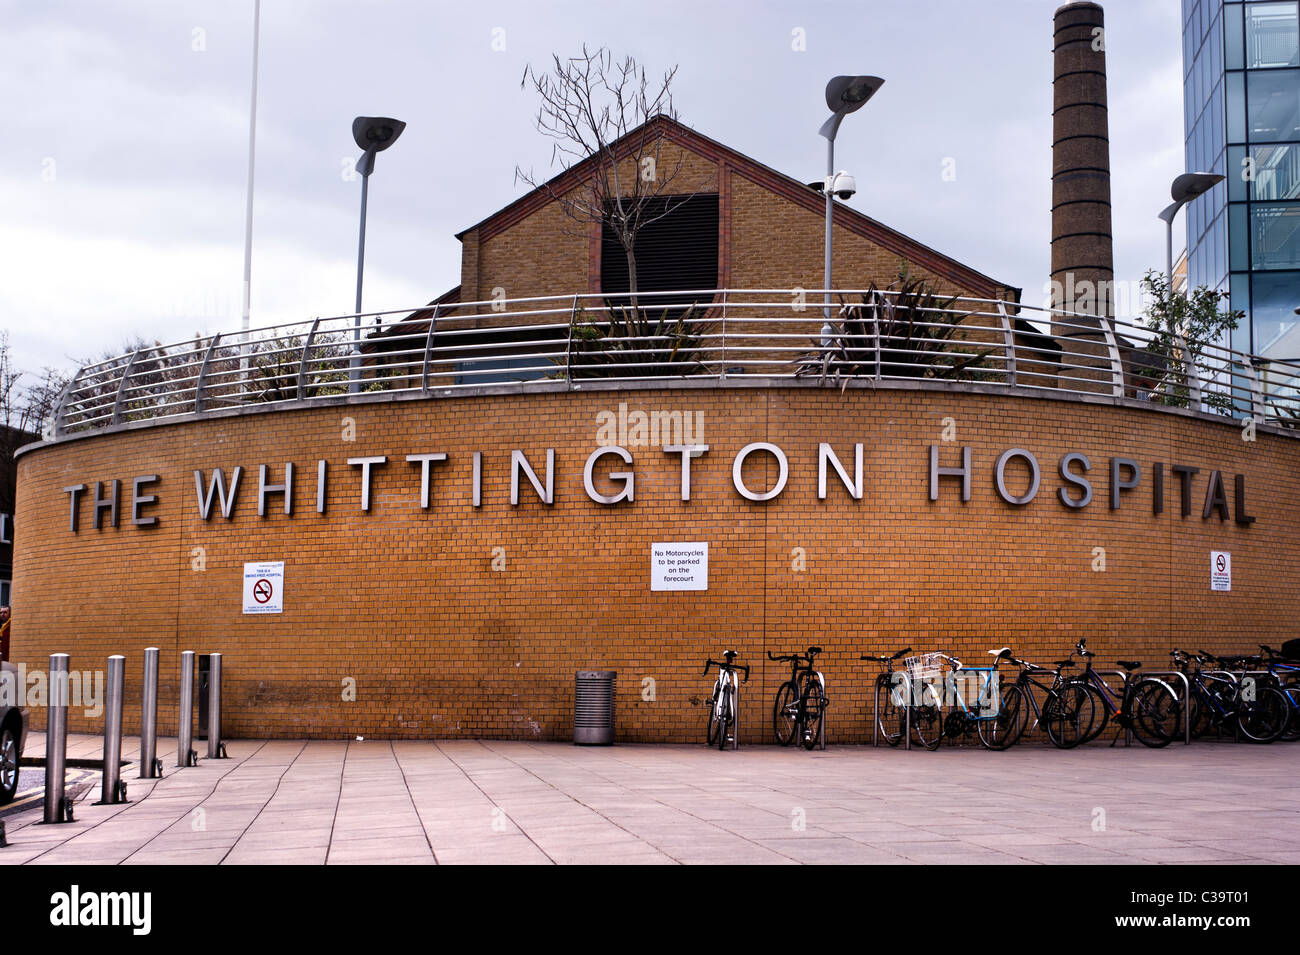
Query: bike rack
[[1187, 694], [1123, 677], [735, 705], [875, 711]]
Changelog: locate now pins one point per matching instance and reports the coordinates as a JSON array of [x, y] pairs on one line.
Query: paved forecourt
[[376, 801]]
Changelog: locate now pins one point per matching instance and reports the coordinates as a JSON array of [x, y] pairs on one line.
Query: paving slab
[[505, 802]]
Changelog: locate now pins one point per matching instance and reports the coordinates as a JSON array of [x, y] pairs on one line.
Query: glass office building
[[1241, 95]]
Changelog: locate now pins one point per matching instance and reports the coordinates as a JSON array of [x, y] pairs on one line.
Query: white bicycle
[[723, 706]]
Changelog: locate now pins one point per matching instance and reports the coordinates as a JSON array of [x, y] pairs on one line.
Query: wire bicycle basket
[[924, 668]]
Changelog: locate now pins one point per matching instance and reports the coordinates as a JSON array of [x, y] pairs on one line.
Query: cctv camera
[[842, 185]]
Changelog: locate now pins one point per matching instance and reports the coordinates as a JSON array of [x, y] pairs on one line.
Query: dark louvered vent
[[678, 251]]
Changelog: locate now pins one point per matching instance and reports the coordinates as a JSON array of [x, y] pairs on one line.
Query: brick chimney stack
[[1082, 261]]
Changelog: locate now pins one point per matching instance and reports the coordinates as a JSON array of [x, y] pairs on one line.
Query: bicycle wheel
[[927, 719], [1004, 730], [1068, 715], [711, 733], [1263, 719], [1202, 713], [889, 710], [1155, 715], [813, 705], [1292, 731], [726, 717], [785, 713]]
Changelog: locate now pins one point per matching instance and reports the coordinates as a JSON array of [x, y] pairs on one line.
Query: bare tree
[[588, 104], [24, 408]]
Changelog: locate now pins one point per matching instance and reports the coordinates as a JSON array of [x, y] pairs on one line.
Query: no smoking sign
[[1220, 570], [264, 587]]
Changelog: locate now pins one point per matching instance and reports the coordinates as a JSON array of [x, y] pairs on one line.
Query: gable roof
[[756, 172]]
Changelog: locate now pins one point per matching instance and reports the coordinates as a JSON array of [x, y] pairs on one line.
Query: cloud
[[143, 111]]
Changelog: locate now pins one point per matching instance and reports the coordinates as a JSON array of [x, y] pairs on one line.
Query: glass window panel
[[1273, 314], [1216, 48], [1239, 287], [1239, 173], [1271, 37], [1235, 45], [1221, 237], [1216, 123], [1277, 172], [1274, 105], [1275, 237], [1238, 243], [1235, 101]]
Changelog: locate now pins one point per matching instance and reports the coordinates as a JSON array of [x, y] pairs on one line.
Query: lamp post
[[373, 134], [844, 94], [1184, 189]]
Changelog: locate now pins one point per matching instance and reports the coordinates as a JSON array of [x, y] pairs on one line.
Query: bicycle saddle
[[1129, 665], [1063, 663], [1004, 652]]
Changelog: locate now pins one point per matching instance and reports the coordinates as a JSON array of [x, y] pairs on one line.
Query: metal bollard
[[113, 790], [56, 740], [215, 748], [185, 755], [150, 764]]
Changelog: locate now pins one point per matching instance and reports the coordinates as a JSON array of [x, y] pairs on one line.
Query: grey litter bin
[[593, 707]]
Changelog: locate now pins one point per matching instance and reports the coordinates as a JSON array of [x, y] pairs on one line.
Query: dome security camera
[[842, 185]]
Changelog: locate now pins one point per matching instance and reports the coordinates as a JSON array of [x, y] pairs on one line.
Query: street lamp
[[1184, 189], [373, 134], [844, 94]]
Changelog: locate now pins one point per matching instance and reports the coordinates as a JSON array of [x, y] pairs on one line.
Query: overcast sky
[[123, 176]]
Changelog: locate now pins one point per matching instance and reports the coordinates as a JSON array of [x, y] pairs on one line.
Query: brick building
[[452, 555]]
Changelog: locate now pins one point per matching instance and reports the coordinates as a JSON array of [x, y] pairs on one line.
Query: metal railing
[[569, 341]]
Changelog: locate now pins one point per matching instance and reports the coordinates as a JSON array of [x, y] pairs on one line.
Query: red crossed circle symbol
[[262, 591]]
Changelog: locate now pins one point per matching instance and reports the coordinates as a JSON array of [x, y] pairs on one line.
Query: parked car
[[13, 727]]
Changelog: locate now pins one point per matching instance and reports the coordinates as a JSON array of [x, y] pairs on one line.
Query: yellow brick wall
[[406, 601]]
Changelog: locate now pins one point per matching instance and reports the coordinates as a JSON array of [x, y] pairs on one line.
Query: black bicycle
[[723, 711], [801, 702], [1147, 706], [890, 700], [1066, 713]]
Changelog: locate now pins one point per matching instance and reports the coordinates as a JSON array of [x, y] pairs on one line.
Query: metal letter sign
[[264, 587], [1220, 570]]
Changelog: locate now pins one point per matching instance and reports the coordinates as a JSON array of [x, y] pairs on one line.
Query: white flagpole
[[248, 206]]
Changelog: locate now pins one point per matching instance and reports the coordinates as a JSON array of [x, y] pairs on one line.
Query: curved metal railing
[[567, 341]]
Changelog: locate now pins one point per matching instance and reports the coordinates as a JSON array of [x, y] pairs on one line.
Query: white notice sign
[[1220, 570], [264, 587], [679, 566]]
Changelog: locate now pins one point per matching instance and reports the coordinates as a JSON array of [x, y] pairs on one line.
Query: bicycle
[[723, 709], [983, 720], [925, 708], [801, 702], [1212, 698], [891, 718], [1067, 712], [1286, 682], [1148, 707], [1261, 707]]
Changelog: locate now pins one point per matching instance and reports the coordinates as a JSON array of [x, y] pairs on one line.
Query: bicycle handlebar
[[726, 666]]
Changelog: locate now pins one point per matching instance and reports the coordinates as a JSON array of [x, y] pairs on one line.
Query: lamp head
[[844, 94], [1192, 184], [376, 133]]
